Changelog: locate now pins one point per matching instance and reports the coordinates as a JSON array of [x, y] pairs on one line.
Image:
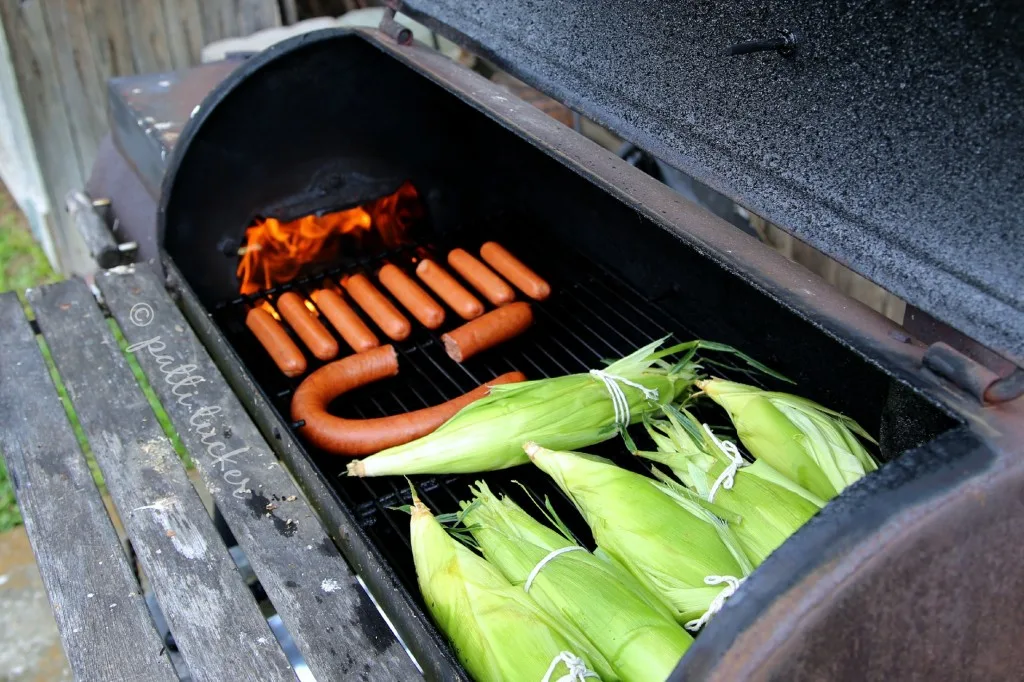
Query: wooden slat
[[104, 625], [332, 621], [47, 116], [253, 15], [147, 35], [184, 31], [212, 22], [199, 590], [111, 44], [79, 81]]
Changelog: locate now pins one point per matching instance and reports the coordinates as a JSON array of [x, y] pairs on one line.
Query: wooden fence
[[55, 59]]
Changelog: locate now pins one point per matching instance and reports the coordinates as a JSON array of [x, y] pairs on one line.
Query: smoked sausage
[[487, 331], [316, 337], [356, 437], [378, 307], [345, 320], [448, 288], [283, 351], [412, 296], [515, 271], [481, 277]]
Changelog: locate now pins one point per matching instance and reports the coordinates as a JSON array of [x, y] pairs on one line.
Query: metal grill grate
[[591, 316]]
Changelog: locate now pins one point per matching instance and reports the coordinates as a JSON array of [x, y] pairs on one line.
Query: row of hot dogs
[[483, 330]]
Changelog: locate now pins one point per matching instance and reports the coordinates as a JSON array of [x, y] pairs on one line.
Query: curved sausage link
[[312, 332], [515, 271], [356, 437], [275, 340]]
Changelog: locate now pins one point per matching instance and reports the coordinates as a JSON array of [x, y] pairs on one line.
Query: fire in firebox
[[276, 252]]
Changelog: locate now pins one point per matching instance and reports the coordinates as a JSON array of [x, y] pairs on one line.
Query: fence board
[[63, 51], [48, 118], [184, 31], [79, 81]]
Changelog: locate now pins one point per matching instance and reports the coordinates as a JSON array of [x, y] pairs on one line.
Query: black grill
[[591, 316]]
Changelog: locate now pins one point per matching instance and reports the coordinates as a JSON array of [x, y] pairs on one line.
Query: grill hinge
[[983, 384]]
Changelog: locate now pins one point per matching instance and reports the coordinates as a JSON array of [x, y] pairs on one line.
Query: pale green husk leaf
[[498, 633], [629, 626], [670, 545]]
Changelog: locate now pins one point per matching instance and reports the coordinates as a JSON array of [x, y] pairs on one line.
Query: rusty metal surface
[[147, 113]]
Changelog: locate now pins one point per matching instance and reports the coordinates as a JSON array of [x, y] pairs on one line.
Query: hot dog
[[412, 296], [355, 437], [481, 277], [378, 307], [316, 337], [451, 292], [283, 351], [487, 331], [345, 320], [515, 271]]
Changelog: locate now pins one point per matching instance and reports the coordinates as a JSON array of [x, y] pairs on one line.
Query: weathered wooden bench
[[219, 629]]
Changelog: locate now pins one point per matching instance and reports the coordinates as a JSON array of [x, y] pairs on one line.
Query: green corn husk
[[564, 413], [629, 626], [813, 446], [768, 507], [671, 545], [498, 632]]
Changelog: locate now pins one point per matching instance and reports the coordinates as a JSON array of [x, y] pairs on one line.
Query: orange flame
[[275, 252]]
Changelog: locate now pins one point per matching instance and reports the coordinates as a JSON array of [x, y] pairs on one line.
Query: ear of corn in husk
[[564, 413], [570, 411], [767, 506], [498, 633], [815, 447], [675, 547], [629, 626]]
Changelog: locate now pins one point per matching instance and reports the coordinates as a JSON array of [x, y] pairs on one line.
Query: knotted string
[[577, 668], [619, 400], [731, 585], [543, 562], [728, 476]]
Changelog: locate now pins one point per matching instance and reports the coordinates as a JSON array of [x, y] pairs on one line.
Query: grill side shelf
[[199, 590], [333, 623], [96, 599]]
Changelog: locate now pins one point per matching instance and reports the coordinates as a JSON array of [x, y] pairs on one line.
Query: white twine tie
[[736, 461], [619, 400], [731, 585], [543, 562], [577, 668]]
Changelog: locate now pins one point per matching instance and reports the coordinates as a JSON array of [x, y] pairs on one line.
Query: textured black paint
[[891, 141]]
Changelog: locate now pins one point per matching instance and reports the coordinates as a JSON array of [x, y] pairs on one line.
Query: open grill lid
[[891, 139]]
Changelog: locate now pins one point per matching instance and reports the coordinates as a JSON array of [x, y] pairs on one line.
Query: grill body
[[879, 570]]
